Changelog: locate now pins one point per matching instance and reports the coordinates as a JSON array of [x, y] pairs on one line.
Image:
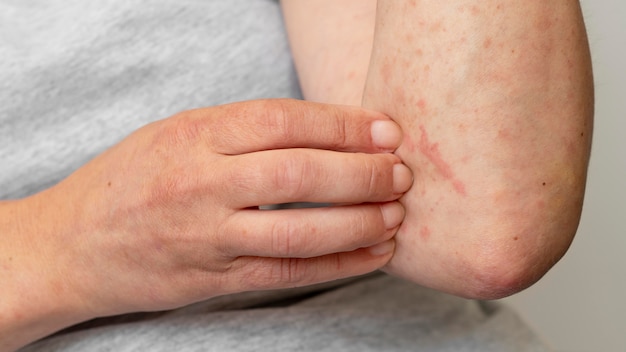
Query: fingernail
[[386, 134], [393, 214], [402, 178], [383, 248]]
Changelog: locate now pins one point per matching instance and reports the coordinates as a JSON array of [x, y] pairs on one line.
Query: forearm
[[496, 101], [34, 299], [331, 42]]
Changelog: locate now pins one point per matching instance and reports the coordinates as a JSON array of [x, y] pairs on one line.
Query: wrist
[[36, 299]]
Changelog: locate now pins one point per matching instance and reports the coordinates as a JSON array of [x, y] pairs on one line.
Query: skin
[[152, 214], [495, 99], [331, 42]]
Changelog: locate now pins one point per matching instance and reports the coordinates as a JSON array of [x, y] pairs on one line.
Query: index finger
[[258, 125]]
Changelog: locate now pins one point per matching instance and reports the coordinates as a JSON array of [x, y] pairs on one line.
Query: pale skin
[[170, 216], [495, 99]]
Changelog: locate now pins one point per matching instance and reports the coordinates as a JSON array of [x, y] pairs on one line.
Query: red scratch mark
[[459, 187], [431, 151]]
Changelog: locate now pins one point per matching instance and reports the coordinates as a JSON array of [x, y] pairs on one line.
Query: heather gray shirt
[[77, 76]]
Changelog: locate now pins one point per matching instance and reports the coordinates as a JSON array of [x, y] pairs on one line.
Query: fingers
[[307, 233], [273, 273], [283, 123], [318, 176]]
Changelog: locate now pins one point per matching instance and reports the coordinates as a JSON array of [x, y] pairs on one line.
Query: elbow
[[517, 254], [499, 276]]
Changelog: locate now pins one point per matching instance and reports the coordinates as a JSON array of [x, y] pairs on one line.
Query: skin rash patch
[[431, 151]]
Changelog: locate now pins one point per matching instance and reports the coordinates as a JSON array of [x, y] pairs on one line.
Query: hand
[[170, 215]]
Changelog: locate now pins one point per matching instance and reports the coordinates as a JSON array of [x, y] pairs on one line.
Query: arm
[[35, 298], [496, 101], [331, 42]]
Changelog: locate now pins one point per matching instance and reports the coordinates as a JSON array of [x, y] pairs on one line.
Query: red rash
[[431, 151]]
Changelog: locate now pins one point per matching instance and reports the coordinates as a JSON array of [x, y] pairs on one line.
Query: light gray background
[[581, 304]]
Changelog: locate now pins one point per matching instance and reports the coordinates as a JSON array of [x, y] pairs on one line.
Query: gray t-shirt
[[77, 76]]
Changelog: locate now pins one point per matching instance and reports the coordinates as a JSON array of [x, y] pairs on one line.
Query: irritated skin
[[495, 99]]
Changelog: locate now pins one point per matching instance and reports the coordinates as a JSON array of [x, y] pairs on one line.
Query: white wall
[[581, 304]]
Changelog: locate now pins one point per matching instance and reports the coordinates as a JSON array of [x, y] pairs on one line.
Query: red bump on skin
[[421, 104], [425, 233]]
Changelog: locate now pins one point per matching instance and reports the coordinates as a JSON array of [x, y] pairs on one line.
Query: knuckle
[[339, 131], [361, 227], [278, 119], [291, 272], [180, 130], [335, 129], [290, 177], [225, 239], [277, 273], [282, 234], [382, 176], [373, 183]]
